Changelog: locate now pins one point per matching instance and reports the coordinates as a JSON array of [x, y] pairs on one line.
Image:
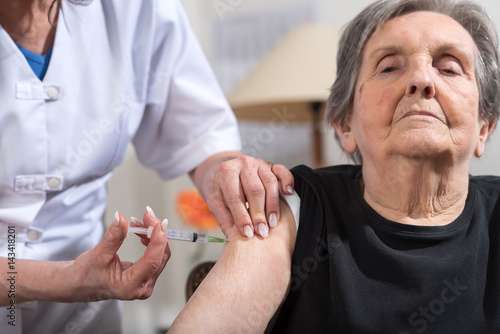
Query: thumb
[[114, 236]]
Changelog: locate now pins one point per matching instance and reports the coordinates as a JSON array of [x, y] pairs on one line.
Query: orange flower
[[194, 210]]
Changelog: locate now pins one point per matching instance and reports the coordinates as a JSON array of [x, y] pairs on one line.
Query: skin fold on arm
[[246, 286]]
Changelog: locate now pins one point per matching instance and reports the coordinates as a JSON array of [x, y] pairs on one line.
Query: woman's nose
[[420, 82]]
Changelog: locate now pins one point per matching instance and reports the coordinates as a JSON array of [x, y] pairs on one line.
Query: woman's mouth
[[419, 113]]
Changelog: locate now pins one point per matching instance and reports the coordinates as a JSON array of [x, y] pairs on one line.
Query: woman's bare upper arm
[[247, 284]]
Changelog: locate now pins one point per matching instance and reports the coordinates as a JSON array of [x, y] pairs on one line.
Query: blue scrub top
[[37, 62]]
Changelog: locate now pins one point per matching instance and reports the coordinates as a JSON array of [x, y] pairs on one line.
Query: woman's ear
[[485, 130], [346, 135]]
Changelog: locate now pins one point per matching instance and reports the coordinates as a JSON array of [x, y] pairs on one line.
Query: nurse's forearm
[[29, 280]]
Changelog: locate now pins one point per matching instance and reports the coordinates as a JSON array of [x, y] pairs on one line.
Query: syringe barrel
[[180, 235]]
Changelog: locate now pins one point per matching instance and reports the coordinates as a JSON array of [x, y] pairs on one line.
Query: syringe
[[201, 238]]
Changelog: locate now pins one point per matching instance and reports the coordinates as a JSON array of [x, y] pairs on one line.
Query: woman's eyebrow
[[442, 48], [454, 47], [386, 49]]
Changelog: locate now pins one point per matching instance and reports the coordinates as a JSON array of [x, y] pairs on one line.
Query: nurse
[[79, 81]]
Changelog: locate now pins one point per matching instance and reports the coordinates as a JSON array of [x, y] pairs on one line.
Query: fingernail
[[164, 225], [151, 212], [273, 220], [263, 230], [136, 221], [116, 219], [248, 231], [289, 189]]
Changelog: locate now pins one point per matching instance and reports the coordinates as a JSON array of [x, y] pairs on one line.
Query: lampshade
[[295, 78], [298, 71]]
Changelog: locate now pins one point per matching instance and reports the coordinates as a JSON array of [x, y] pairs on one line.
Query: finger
[[137, 223], [149, 266], [218, 208], [164, 227], [231, 194], [239, 213], [166, 256], [113, 238], [148, 220], [271, 192], [166, 253], [160, 241], [141, 277], [285, 176], [255, 194]]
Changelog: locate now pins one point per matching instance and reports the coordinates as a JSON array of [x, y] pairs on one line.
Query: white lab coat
[[121, 71]]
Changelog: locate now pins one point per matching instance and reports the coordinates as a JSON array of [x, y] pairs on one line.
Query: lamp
[[297, 74]]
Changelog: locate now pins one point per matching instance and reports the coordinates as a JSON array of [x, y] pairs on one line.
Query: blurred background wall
[[235, 35]]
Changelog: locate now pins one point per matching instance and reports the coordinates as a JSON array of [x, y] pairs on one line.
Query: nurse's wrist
[[71, 285], [43, 281], [81, 286]]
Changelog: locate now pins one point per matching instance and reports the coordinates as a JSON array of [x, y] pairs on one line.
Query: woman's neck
[[27, 22], [416, 192]]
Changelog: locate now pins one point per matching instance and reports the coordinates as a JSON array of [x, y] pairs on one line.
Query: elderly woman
[[407, 242]]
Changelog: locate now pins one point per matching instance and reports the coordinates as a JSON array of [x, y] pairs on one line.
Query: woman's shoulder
[[330, 172], [492, 181], [331, 181], [487, 186]]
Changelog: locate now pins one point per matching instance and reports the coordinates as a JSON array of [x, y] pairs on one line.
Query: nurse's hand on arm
[[97, 274], [246, 286], [228, 180]]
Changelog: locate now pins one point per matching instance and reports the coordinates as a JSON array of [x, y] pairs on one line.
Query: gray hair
[[357, 33]]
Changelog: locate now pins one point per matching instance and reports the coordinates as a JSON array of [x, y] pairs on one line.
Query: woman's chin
[[419, 147]]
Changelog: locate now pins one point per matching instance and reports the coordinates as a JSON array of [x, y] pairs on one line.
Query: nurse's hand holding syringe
[[97, 274]]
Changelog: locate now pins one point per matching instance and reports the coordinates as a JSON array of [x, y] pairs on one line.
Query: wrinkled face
[[416, 93]]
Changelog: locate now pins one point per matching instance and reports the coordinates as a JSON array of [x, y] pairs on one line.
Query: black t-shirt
[[353, 271]]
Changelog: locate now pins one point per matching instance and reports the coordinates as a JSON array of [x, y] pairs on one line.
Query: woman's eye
[[449, 65], [450, 71], [389, 64], [388, 70]]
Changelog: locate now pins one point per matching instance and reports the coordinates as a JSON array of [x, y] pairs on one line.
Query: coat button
[[33, 235], [54, 183], [52, 92]]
